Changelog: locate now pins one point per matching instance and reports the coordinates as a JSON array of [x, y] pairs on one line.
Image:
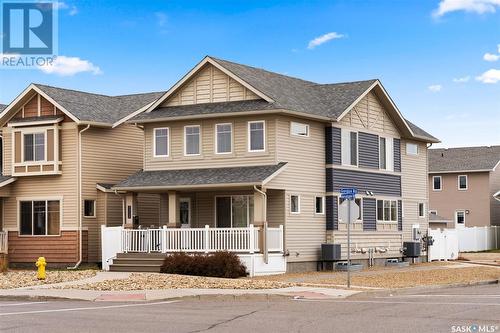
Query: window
[[161, 142], [234, 211], [386, 154], [256, 136], [39, 218], [192, 140], [223, 138], [294, 204], [299, 129], [436, 183], [34, 147], [411, 149], [360, 205], [349, 147], [382, 154], [460, 217], [89, 208], [387, 210], [319, 205], [462, 182], [421, 209]]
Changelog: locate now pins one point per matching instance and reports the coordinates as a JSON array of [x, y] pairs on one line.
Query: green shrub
[[220, 264]]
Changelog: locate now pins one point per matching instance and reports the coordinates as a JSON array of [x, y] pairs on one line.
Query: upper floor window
[[89, 208], [224, 138], [437, 183], [462, 182], [386, 153], [294, 204], [349, 148], [161, 142], [40, 217], [387, 210], [256, 135], [34, 147], [411, 148], [299, 129], [192, 140], [319, 203], [421, 209]]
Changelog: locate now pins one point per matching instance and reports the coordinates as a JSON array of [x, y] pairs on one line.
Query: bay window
[[34, 147]]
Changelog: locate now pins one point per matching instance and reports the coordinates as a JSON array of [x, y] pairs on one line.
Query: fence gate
[[445, 245]]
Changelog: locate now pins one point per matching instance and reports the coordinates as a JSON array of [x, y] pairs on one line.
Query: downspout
[[264, 227], [80, 241]]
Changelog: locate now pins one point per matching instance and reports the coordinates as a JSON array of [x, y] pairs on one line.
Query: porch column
[[130, 209], [173, 210]]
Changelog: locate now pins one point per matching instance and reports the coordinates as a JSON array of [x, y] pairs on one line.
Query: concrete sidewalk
[[55, 291]]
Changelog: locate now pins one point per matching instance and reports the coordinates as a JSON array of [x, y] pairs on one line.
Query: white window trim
[[33, 132], [360, 207], [231, 196], [423, 210], [216, 140], [416, 145], [298, 135], [199, 141], [342, 145], [95, 207], [383, 211], [456, 216], [298, 204], [440, 183], [263, 134], [18, 214], [466, 183], [389, 153], [322, 205], [168, 141]]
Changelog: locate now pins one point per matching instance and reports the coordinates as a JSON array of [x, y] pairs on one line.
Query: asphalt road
[[441, 310]]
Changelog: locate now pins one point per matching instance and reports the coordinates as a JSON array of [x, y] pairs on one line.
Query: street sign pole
[[349, 194], [349, 245]]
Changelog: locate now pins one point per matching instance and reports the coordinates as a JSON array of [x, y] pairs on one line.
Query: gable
[[370, 114], [210, 85], [37, 106]]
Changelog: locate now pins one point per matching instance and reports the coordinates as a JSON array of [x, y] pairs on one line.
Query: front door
[[185, 212]]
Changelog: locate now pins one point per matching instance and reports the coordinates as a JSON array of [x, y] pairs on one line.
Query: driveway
[[441, 310]]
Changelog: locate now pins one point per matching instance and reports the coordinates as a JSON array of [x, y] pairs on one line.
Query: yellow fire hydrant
[[41, 263]]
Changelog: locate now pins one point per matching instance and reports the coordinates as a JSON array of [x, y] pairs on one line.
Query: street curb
[[478, 263]]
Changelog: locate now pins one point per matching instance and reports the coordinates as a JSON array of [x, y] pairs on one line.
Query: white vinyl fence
[[3, 242], [478, 238], [445, 244]]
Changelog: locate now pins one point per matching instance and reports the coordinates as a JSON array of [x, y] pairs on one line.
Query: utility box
[[330, 252], [411, 249]]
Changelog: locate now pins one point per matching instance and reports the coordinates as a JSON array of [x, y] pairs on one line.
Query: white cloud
[[59, 5], [161, 18], [68, 66], [471, 6], [73, 11], [323, 39], [490, 76], [435, 88], [462, 79], [491, 57]]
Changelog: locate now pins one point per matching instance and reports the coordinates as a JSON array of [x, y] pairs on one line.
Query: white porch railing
[[4, 245]]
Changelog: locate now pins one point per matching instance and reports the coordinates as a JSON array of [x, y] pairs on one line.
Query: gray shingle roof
[[28, 119], [437, 218], [4, 178], [195, 177], [463, 159], [420, 132], [98, 108]]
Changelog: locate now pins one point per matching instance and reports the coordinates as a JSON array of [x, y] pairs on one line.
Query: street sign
[[348, 193], [346, 207]]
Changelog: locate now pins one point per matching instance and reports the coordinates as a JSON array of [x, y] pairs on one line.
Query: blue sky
[[418, 49]]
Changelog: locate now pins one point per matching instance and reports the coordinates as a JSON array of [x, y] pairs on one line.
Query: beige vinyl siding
[[392, 241], [148, 209], [414, 188], [275, 208], [494, 204], [369, 114], [304, 176], [64, 185], [208, 158], [210, 85]]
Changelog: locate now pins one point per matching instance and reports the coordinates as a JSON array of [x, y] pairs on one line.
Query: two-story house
[[60, 149], [462, 184], [231, 145]]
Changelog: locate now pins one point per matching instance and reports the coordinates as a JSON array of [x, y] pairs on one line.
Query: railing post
[[252, 238], [281, 239], [164, 239], [207, 238]]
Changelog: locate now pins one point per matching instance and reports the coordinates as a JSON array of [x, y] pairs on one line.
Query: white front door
[[185, 212]]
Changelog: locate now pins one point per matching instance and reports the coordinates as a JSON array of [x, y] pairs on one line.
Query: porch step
[[134, 268], [140, 255], [139, 261]]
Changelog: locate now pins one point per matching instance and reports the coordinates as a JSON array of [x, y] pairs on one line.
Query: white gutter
[[80, 241], [264, 229]]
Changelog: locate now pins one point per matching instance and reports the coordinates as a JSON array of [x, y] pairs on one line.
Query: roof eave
[[183, 187], [460, 171]]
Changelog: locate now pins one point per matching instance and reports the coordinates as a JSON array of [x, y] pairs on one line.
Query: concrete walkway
[[54, 291]]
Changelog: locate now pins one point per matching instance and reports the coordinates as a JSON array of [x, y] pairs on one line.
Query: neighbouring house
[[230, 147], [462, 185], [60, 149]]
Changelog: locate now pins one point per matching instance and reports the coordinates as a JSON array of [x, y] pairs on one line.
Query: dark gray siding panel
[[331, 213], [400, 215], [378, 183], [369, 214], [368, 150], [333, 145], [397, 155]]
